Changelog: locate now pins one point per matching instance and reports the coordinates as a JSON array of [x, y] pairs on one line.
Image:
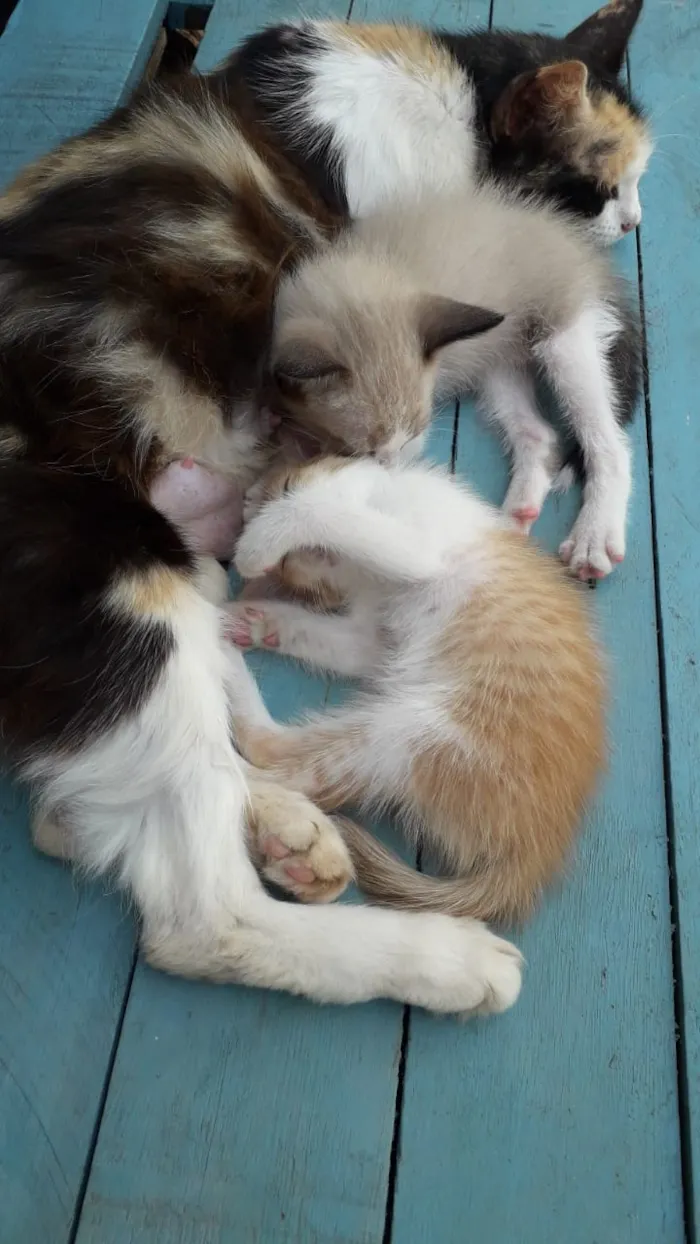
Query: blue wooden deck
[[137, 1108]]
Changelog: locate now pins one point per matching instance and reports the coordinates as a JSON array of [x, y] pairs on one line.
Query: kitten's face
[[354, 355], [569, 137]]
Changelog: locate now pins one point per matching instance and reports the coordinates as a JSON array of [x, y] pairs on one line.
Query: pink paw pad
[[525, 516], [250, 627]]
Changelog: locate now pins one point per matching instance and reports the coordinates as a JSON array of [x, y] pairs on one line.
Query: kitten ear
[[441, 321], [604, 36], [545, 97], [301, 364]]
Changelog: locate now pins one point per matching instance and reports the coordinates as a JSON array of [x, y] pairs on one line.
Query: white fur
[[161, 800], [393, 628], [394, 132], [621, 215], [398, 131], [577, 366], [509, 401], [564, 310]]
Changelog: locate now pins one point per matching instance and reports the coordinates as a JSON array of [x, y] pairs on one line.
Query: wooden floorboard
[[559, 1121], [66, 949], [665, 65], [236, 1115]]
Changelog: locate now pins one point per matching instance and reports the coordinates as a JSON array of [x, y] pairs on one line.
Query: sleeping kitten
[[376, 114], [482, 714], [357, 324]]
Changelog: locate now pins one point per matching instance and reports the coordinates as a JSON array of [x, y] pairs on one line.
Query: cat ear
[[441, 321], [605, 35], [301, 364], [544, 97]]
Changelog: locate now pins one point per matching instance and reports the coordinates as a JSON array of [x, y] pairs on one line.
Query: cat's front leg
[[508, 399], [343, 644]]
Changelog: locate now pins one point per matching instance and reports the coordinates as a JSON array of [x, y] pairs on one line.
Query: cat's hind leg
[[295, 845], [343, 644], [508, 399]]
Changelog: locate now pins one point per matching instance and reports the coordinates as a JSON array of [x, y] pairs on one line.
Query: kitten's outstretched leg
[[343, 644], [577, 365], [509, 400]]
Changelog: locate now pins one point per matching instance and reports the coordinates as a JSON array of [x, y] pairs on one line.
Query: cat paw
[[526, 495], [299, 848], [466, 969], [248, 626], [595, 545]]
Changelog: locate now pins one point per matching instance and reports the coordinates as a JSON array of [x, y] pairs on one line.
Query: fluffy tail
[[498, 894]]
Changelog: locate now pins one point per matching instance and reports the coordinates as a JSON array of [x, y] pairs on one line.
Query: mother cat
[[138, 265]]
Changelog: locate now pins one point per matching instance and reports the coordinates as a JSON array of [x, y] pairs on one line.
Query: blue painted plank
[[64, 65], [65, 951], [233, 20], [559, 1121], [666, 65]]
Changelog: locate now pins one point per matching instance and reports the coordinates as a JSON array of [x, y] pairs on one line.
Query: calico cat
[[482, 715], [353, 345], [376, 114], [138, 265]]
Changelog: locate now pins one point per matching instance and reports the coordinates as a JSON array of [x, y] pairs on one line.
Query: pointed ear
[[301, 364], [605, 35], [441, 321], [543, 98]]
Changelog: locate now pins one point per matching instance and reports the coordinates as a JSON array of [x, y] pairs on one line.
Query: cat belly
[[206, 506]]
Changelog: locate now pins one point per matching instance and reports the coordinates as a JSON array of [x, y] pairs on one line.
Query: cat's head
[[570, 131], [354, 353]]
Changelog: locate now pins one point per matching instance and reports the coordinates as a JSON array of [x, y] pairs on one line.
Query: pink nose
[[627, 226]]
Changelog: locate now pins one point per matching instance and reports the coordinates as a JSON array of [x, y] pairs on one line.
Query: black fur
[[493, 59], [70, 668], [271, 68]]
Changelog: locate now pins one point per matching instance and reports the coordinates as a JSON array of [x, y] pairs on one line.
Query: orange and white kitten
[[482, 715]]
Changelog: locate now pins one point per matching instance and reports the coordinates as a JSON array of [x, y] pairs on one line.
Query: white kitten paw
[[466, 969], [527, 492], [298, 848], [249, 626], [596, 543]]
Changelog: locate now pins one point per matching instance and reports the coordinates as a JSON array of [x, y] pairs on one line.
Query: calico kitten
[[374, 114], [138, 265], [353, 345], [482, 716]]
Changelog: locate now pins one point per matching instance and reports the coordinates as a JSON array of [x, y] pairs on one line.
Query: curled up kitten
[[482, 713]]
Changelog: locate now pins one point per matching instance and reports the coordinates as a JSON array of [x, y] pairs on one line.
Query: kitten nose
[[627, 226]]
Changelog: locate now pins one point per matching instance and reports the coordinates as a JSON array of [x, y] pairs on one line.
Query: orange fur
[[502, 799], [600, 136]]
